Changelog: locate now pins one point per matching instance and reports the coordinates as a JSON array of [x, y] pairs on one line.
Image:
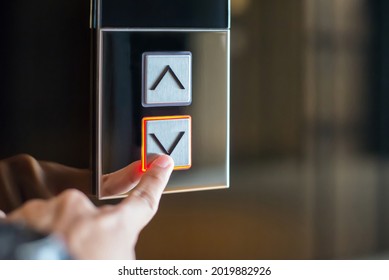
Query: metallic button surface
[[167, 79], [169, 135]]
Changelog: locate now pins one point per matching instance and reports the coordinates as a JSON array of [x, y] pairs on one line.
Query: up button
[[167, 79]]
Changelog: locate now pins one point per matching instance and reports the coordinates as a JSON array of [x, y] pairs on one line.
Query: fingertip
[[2, 215], [163, 161], [153, 181]]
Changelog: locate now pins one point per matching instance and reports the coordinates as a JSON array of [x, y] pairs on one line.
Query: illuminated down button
[[166, 79], [169, 135]]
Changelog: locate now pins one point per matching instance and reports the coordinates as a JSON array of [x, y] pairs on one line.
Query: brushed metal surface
[[170, 137], [166, 79]]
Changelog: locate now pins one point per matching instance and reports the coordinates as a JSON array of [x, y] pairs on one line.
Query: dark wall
[[44, 89], [378, 131], [379, 75]]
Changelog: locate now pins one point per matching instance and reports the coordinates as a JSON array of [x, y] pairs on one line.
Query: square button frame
[[144, 153], [158, 66]]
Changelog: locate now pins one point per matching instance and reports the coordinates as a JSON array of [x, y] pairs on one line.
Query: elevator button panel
[[166, 79], [161, 86]]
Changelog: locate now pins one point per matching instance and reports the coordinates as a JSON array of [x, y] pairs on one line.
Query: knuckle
[[25, 162], [146, 197], [32, 207], [25, 159], [71, 197], [72, 194], [29, 167], [33, 204]]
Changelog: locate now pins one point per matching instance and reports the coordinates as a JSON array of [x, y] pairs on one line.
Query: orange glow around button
[[145, 164]]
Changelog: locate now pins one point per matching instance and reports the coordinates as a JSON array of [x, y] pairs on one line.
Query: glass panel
[[122, 110]]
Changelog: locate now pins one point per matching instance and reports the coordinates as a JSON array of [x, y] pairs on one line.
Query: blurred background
[[309, 126]]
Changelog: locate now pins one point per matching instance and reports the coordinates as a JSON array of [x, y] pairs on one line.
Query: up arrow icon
[[166, 79], [167, 70]]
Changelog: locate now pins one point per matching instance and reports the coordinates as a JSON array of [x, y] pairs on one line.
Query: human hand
[[107, 232], [22, 177]]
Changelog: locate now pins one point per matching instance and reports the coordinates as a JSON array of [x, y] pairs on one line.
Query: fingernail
[[163, 161]]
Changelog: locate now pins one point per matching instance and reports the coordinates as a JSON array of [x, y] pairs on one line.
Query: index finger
[[143, 200]]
